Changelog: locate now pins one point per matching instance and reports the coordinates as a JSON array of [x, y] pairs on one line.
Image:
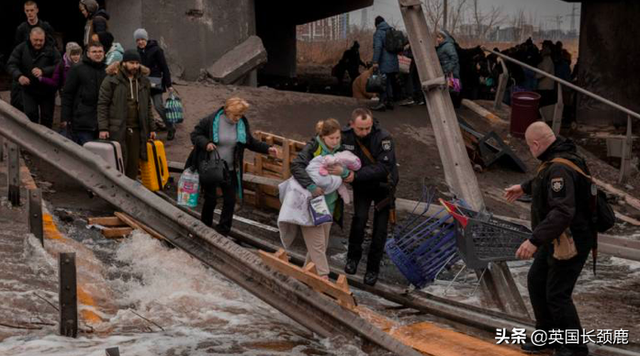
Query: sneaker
[[420, 103], [406, 102], [351, 267], [379, 107]]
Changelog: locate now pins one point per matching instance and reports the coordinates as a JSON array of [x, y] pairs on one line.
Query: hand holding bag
[[213, 170]]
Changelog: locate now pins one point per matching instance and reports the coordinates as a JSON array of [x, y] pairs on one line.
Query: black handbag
[[213, 170], [377, 83]]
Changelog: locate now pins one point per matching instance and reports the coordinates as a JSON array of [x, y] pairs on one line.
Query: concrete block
[[239, 61]]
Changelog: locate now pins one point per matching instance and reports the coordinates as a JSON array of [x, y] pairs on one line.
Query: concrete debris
[[239, 61]]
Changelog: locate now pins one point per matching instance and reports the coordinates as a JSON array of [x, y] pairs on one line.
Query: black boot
[[171, 134], [370, 278], [351, 267], [379, 107]]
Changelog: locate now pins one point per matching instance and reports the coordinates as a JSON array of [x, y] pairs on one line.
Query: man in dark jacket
[[80, 95], [385, 62], [29, 61], [31, 11], [22, 35], [124, 111], [97, 19], [374, 182], [561, 205], [350, 63], [153, 58]]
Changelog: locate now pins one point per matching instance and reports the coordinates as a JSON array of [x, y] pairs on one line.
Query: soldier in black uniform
[[561, 204], [374, 182]]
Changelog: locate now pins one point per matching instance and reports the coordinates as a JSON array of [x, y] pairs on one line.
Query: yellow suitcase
[[154, 171]]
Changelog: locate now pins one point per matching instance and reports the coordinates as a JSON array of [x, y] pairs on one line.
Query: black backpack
[[394, 41], [603, 216]]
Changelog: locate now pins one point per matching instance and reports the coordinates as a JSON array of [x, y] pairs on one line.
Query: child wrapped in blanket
[[318, 170]]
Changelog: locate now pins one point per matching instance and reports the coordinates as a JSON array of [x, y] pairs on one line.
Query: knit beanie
[[73, 48], [140, 33], [131, 55], [90, 5], [106, 39]]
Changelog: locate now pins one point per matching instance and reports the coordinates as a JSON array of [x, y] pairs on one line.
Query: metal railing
[[557, 117]]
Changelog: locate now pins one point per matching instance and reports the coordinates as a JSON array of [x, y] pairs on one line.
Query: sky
[[545, 11]]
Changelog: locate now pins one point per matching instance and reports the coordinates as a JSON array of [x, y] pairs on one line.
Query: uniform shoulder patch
[[557, 184], [386, 145]]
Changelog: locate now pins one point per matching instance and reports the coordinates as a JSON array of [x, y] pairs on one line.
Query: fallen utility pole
[[498, 284]]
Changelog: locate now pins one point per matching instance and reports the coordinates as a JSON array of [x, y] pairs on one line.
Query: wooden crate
[[269, 167]]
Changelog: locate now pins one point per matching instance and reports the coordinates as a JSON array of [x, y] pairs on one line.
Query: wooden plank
[[115, 232], [109, 221], [286, 159], [134, 224], [344, 298], [436, 341]]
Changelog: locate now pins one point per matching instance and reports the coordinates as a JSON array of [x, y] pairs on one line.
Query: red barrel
[[524, 111]]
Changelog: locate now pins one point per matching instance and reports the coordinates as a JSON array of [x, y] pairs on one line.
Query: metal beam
[[316, 312], [13, 173], [497, 282], [68, 295], [35, 214]]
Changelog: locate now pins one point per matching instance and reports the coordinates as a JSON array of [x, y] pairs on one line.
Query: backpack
[[394, 41], [603, 215]]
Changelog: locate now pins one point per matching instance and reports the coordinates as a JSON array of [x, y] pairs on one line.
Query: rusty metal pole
[[497, 281], [35, 214], [13, 173], [68, 295]]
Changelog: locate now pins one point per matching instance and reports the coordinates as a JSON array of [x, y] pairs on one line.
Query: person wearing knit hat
[[124, 111], [71, 57], [140, 33], [152, 57], [97, 19]]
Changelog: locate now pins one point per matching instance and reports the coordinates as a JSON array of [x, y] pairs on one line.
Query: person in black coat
[[560, 206], [80, 95], [97, 19], [22, 35], [226, 131], [29, 61], [374, 183], [153, 58]]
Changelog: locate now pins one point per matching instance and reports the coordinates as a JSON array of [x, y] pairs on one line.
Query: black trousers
[[228, 204], [16, 96], [39, 107], [391, 90], [362, 199], [551, 282]]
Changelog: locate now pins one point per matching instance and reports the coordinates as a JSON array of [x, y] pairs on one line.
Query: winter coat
[[299, 172], [24, 58], [561, 198], [387, 62], [546, 65], [115, 54], [152, 57], [59, 77], [448, 57], [113, 106], [80, 95], [96, 23], [203, 134], [24, 30], [373, 175]]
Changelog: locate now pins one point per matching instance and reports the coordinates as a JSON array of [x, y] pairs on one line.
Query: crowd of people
[[105, 91], [109, 93]]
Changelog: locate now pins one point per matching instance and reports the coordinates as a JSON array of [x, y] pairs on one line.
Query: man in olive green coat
[[124, 111]]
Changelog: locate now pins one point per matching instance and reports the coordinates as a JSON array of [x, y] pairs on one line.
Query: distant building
[[329, 29]]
